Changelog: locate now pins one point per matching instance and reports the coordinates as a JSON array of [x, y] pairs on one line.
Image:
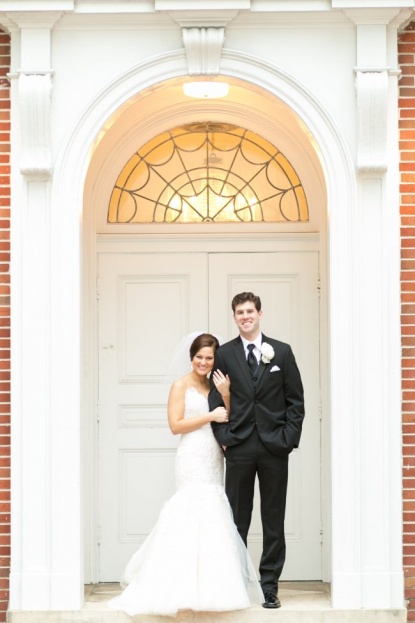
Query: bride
[[194, 558]]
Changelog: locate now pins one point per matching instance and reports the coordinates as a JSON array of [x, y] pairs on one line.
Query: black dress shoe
[[271, 601]]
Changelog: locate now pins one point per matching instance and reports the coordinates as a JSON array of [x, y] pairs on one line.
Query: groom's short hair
[[244, 297]]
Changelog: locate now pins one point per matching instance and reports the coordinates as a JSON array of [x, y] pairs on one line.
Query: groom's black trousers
[[243, 462]]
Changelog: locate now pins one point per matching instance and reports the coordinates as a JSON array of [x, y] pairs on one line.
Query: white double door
[[147, 303]]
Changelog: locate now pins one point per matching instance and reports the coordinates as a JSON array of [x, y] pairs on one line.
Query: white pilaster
[[46, 542], [366, 571], [31, 414]]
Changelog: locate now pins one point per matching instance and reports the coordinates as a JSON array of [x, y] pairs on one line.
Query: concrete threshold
[[302, 602]]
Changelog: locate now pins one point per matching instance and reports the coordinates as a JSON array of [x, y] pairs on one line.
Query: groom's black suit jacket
[[274, 402]]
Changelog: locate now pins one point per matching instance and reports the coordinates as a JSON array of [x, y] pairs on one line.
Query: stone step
[[302, 602]]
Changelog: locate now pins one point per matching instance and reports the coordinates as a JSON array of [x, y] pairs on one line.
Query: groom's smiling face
[[247, 319]]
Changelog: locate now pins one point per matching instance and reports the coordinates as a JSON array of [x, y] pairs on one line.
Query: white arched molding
[[35, 101], [348, 483], [203, 49], [372, 114]]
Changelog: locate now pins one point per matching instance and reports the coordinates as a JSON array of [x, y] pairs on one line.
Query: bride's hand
[[219, 415], [222, 382]]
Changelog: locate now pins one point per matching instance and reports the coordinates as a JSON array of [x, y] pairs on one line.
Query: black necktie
[[252, 362]]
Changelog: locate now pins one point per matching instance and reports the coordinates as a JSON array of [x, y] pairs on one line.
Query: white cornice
[[211, 10], [118, 21], [7, 24], [403, 19], [244, 20], [319, 19], [127, 7], [203, 19], [136, 6], [46, 19], [196, 6], [143, 14], [375, 5], [24, 6], [284, 6], [383, 16]]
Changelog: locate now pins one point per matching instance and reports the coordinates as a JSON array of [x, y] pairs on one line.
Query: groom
[[265, 420]]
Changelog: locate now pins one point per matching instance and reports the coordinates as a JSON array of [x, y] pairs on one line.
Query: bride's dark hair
[[203, 340]]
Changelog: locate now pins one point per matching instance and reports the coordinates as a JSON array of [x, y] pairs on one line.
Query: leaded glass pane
[[204, 172]]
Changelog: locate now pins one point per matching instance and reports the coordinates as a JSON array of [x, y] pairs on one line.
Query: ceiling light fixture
[[206, 90]]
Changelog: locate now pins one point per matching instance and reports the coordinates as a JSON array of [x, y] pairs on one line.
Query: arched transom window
[[208, 172]]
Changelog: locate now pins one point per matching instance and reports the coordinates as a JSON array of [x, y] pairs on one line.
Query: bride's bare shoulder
[[181, 385]]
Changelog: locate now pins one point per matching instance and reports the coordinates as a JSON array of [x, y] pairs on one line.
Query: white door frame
[[214, 243], [364, 393]]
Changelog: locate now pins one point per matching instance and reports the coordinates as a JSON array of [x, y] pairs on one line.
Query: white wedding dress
[[194, 558]]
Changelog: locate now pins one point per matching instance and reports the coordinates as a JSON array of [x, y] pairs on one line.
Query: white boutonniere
[[267, 352]]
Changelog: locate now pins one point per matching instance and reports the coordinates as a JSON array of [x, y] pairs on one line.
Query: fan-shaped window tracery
[[208, 172]]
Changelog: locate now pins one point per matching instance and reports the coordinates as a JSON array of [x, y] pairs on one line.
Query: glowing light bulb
[[206, 90]]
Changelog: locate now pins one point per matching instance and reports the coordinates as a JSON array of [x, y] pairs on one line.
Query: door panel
[[287, 286], [147, 303]]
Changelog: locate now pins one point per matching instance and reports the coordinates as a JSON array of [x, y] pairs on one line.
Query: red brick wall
[[4, 324], [406, 51]]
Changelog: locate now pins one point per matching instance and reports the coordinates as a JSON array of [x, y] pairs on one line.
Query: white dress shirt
[[256, 350]]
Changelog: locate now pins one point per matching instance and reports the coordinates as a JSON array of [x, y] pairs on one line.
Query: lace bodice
[[199, 459]]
